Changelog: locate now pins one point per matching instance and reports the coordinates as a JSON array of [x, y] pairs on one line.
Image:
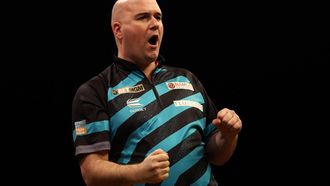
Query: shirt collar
[[129, 66]]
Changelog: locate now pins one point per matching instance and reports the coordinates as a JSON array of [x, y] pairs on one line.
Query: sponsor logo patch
[[179, 103], [179, 85], [125, 90], [80, 127], [135, 105]]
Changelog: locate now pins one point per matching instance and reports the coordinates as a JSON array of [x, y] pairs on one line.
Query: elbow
[[85, 176], [89, 177]]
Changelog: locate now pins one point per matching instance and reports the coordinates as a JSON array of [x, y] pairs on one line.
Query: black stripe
[[156, 184], [193, 173], [162, 132], [185, 147], [179, 72], [92, 138], [119, 76]]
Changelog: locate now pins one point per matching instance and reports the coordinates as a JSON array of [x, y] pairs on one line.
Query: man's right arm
[[97, 170]]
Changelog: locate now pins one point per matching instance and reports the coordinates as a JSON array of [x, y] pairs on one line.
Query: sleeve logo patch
[[80, 127]]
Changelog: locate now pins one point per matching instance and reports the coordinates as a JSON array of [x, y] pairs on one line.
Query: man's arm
[[222, 144], [97, 170]]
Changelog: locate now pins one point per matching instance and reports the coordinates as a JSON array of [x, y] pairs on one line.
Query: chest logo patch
[[181, 103], [135, 105], [125, 90], [179, 85]]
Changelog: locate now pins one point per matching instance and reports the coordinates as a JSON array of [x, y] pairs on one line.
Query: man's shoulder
[[96, 82], [178, 70]]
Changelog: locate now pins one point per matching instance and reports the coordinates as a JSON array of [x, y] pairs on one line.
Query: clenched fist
[[155, 167], [228, 122]]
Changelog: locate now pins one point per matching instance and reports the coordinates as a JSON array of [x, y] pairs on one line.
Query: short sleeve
[[90, 119]]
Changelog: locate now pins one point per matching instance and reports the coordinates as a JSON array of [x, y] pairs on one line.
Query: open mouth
[[153, 40]]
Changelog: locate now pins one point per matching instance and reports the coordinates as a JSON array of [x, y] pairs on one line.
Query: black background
[[268, 61]]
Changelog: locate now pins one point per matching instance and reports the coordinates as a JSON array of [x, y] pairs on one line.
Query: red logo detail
[[171, 85]]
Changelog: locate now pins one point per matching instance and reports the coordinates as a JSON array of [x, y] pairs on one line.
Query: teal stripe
[[98, 126], [205, 179], [121, 116], [152, 124], [179, 136], [183, 165], [209, 129], [131, 80], [158, 70]]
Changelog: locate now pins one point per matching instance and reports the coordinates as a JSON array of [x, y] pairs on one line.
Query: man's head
[[138, 30]]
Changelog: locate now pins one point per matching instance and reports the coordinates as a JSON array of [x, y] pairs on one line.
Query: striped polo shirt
[[123, 112]]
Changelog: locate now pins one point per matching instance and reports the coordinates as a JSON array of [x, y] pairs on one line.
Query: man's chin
[[152, 58]]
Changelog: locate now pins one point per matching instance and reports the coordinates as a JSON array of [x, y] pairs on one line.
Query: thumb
[[158, 151], [216, 122]]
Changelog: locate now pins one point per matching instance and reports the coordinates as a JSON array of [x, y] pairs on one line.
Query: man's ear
[[116, 29]]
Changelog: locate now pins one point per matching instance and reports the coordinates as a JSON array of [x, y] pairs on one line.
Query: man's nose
[[154, 25]]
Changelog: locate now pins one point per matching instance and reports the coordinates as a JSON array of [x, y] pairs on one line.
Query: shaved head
[[117, 9], [122, 6]]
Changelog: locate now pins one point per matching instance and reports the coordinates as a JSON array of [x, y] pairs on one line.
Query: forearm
[[219, 149], [102, 172]]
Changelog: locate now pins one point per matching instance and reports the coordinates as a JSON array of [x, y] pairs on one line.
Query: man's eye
[[142, 17], [158, 17]]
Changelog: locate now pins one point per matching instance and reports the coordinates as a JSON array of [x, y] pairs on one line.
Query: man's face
[[142, 30]]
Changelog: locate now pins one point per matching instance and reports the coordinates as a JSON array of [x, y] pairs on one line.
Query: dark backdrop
[[268, 61]]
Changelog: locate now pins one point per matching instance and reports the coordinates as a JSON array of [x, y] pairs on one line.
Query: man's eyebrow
[[142, 13], [148, 13]]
